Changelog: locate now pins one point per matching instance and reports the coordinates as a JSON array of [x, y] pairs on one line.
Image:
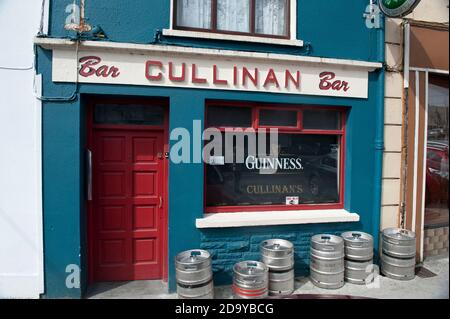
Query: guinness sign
[[397, 8]]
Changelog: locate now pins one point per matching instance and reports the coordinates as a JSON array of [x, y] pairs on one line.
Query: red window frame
[[252, 22], [291, 130]]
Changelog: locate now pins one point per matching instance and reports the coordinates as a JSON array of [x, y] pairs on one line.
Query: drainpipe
[[379, 138]]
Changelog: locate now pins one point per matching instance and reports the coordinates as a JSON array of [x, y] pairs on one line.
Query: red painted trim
[[90, 126], [248, 292], [256, 107]]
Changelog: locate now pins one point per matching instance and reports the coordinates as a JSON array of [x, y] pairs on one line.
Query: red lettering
[[325, 78], [290, 77], [174, 78], [247, 75], [102, 71], [195, 79], [114, 71], [327, 83], [88, 64], [271, 78], [235, 75], [216, 79], [148, 65]]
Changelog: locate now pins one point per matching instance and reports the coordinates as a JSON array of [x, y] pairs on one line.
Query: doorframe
[[91, 101]]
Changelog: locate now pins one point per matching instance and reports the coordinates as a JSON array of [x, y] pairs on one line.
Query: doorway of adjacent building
[[126, 190]]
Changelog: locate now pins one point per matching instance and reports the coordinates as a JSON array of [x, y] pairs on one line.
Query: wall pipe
[[379, 137]]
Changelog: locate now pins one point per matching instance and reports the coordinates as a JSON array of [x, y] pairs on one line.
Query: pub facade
[[134, 93]]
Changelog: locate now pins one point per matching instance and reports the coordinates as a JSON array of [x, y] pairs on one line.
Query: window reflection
[[437, 176]]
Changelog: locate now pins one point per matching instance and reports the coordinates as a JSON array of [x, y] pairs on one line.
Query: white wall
[[21, 257], [431, 11]]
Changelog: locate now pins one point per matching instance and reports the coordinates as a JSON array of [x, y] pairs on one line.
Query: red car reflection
[[437, 173]]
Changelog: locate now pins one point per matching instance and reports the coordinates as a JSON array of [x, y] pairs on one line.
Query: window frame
[[252, 21], [288, 130]]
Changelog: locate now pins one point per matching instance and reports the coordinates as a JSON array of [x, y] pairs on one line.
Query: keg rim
[[262, 267], [204, 256], [399, 234], [349, 236], [322, 239], [285, 245]]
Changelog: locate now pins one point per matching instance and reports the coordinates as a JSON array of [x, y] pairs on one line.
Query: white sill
[[271, 218], [230, 37]]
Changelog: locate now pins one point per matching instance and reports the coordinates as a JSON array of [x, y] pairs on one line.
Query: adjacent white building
[[21, 253]]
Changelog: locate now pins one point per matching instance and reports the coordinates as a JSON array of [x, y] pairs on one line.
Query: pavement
[[436, 287]]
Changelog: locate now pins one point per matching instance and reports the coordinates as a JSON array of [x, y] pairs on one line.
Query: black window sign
[[306, 171]]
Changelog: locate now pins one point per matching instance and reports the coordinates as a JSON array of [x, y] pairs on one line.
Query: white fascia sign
[[194, 68]]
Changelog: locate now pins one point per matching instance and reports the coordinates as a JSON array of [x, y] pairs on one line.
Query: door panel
[[127, 204]]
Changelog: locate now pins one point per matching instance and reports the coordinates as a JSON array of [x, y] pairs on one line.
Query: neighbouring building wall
[[21, 255], [431, 11], [427, 11], [392, 124]]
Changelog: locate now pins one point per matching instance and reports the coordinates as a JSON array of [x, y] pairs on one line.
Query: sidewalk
[[419, 288]]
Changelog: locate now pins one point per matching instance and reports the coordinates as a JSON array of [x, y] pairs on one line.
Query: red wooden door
[[127, 204]]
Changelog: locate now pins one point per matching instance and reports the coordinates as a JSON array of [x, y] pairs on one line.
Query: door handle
[[89, 174], [160, 201]]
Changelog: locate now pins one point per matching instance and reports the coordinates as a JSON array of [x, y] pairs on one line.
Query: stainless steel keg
[[358, 246], [278, 255], [250, 280], [194, 275], [398, 268], [359, 272], [399, 243], [327, 261]]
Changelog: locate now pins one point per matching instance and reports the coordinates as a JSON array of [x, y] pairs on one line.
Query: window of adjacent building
[[310, 160], [251, 17], [437, 177]]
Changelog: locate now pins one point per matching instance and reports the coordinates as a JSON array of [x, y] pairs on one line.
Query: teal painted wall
[[340, 32], [334, 28]]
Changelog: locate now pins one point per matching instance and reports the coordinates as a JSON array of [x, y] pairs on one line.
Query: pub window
[[307, 171], [268, 18]]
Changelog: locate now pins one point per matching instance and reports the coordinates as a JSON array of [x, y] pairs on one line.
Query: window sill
[[229, 37], [296, 217]]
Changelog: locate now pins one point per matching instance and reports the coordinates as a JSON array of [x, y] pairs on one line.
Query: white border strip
[[422, 222], [51, 43], [230, 37], [252, 219], [437, 71], [416, 151]]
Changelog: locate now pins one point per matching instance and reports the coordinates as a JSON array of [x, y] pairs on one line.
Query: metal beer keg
[[400, 243], [250, 280], [278, 255], [327, 261], [398, 258], [194, 275], [358, 257], [358, 245], [398, 268], [358, 272]]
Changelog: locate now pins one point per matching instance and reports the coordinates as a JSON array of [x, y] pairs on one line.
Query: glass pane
[[437, 177], [321, 120], [233, 15], [306, 171], [277, 118], [226, 116], [271, 17], [128, 114], [194, 13]]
